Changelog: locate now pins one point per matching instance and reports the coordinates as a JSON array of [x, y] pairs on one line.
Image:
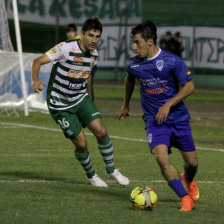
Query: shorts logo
[[69, 132], [95, 114], [149, 137], [159, 65], [53, 51], [78, 59]]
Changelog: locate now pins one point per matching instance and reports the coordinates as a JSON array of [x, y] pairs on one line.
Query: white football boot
[[116, 175], [96, 181]]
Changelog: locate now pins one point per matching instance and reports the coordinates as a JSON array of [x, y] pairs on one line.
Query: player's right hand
[[38, 85], [124, 112]]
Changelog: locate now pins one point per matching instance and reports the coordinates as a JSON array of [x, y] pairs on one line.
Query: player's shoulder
[[133, 61], [170, 58], [68, 45], [71, 41], [170, 55], [94, 53]]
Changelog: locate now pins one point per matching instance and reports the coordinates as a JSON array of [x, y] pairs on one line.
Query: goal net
[[11, 96], [5, 40], [11, 91]]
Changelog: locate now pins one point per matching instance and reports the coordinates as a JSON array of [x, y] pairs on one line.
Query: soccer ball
[[144, 198]]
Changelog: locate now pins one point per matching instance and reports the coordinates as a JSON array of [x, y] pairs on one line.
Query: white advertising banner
[[76, 11], [208, 45]]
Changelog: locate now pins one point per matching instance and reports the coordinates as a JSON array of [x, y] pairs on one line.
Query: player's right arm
[[37, 84], [54, 55], [128, 90]]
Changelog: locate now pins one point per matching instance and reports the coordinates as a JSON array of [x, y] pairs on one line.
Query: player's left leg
[[184, 142], [106, 149], [93, 71], [190, 170]]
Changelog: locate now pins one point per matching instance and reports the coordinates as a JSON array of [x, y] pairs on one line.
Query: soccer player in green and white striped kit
[[69, 102]]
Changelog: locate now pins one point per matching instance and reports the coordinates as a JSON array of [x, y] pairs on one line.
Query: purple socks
[[178, 187]]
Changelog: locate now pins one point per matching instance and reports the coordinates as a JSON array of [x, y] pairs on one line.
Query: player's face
[[141, 46], [90, 39]]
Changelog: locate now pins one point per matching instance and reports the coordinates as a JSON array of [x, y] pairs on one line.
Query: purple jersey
[[159, 78]]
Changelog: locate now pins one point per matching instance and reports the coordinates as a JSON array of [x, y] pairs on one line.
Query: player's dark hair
[[147, 29], [71, 27], [92, 24]]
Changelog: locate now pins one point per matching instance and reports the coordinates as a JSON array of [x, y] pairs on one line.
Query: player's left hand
[[162, 113]]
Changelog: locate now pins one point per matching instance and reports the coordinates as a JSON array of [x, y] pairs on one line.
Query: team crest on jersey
[[159, 65]]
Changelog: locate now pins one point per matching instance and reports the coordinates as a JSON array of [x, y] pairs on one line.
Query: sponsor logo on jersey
[[156, 91], [53, 50], [134, 66], [188, 72], [76, 49], [153, 82], [78, 59], [78, 74], [159, 65], [77, 86]]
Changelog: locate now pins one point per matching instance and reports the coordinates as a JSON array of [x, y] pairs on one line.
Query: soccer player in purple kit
[[167, 121]]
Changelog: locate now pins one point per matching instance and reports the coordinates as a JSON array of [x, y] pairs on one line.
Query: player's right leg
[[170, 173], [106, 149], [82, 155]]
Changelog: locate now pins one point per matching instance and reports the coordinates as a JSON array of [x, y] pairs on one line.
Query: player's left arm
[[184, 77], [89, 86], [185, 91]]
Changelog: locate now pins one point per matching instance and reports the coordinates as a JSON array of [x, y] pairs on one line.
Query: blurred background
[[192, 29]]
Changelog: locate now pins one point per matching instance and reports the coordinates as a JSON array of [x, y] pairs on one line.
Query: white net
[[5, 40], [11, 96]]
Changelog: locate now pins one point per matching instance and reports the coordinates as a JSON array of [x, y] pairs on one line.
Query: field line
[[109, 181], [90, 134]]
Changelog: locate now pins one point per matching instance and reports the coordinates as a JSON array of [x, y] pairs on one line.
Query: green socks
[[84, 159], [106, 150]]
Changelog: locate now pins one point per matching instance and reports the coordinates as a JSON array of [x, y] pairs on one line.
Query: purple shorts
[[176, 135]]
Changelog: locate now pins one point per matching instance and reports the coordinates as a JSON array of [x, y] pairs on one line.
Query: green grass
[[31, 154], [118, 93]]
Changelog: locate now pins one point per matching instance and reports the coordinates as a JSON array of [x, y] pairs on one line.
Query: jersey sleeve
[[129, 73], [182, 72], [57, 53]]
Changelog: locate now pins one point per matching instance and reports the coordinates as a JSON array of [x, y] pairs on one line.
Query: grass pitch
[[41, 182]]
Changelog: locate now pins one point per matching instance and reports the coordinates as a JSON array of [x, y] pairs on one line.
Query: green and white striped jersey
[[68, 80]]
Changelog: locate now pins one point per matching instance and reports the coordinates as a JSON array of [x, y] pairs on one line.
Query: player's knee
[[101, 134], [80, 145], [162, 160], [193, 162]]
